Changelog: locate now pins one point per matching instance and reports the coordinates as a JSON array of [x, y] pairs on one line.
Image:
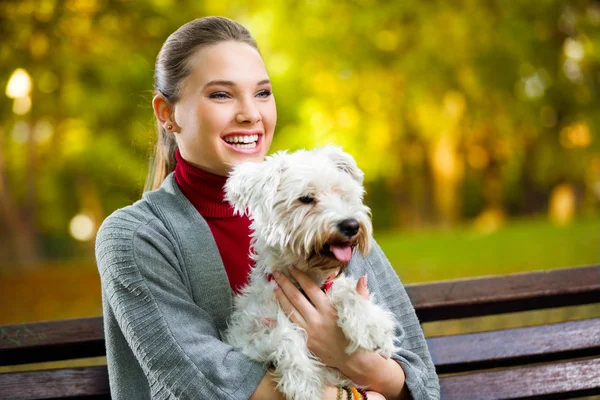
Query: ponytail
[[162, 163]]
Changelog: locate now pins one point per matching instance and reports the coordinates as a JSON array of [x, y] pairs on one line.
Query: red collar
[[324, 287]]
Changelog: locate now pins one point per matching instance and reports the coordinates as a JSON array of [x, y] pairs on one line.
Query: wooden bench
[[559, 360]]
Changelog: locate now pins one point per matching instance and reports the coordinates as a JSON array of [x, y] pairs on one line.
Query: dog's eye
[[306, 199]]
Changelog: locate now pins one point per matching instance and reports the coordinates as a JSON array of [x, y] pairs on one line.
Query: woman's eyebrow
[[230, 83]]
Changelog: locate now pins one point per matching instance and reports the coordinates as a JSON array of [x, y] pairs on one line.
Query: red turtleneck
[[231, 232]]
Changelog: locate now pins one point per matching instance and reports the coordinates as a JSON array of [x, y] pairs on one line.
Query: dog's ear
[[343, 161], [251, 186], [238, 186]]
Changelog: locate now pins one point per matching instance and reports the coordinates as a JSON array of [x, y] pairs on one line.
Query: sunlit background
[[476, 123]]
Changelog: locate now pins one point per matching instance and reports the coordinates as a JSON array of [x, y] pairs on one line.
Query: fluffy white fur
[[296, 202]]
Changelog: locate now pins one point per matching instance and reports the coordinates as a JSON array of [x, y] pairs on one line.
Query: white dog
[[307, 211]]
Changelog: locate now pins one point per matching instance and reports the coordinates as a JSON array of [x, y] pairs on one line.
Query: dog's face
[[305, 206]]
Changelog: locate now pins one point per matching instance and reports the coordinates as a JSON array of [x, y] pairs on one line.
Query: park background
[[476, 123]]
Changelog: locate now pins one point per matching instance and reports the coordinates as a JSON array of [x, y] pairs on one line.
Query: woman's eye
[[219, 95], [306, 199], [264, 93]]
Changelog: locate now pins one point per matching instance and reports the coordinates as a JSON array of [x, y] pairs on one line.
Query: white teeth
[[251, 139], [244, 146]]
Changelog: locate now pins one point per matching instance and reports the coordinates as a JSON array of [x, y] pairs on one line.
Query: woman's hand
[[326, 340]]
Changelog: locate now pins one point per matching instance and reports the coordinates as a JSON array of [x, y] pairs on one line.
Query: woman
[[171, 262]]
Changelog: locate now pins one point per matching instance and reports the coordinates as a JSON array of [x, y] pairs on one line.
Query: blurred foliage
[[457, 111]]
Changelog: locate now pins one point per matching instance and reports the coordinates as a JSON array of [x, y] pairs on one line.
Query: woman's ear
[[164, 112]]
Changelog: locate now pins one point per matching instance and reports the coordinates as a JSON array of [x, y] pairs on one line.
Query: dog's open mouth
[[340, 251]]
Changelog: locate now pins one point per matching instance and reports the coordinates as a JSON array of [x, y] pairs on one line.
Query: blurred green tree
[[455, 109]]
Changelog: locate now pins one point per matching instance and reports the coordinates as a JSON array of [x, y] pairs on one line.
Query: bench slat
[[51, 341], [508, 293], [82, 383], [513, 347], [577, 378], [551, 381]]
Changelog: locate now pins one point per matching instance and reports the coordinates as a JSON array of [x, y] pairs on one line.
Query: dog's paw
[[366, 325], [381, 328], [376, 332], [386, 347]]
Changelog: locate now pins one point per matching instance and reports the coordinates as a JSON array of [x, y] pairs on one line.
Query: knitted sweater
[[231, 232], [166, 299]]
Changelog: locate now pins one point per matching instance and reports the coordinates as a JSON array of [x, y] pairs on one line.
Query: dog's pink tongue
[[342, 253]]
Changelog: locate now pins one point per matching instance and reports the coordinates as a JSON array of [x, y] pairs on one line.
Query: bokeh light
[[82, 227], [19, 84]]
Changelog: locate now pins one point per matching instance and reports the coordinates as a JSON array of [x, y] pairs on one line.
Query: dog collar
[[324, 287]]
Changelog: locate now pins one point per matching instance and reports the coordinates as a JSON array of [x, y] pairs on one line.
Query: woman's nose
[[248, 112]]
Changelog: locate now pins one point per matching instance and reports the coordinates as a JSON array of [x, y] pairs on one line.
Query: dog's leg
[[365, 324], [298, 374]]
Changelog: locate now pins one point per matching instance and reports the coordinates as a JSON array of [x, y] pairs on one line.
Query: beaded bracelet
[[348, 392], [342, 389], [353, 393], [363, 392]]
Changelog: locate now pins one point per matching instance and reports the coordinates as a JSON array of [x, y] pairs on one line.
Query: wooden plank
[[82, 383], [51, 340], [507, 293], [513, 347], [551, 381], [577, 378]]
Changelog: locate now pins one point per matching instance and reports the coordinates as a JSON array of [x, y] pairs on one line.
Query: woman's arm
[[381, 375], [174, 340], [266, 389]]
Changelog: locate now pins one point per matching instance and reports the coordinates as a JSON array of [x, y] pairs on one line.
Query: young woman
[[171, 263]]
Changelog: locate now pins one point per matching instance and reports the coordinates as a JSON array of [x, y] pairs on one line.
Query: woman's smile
[[247, 142]]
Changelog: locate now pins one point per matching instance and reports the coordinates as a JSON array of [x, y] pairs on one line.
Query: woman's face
[[226, 113]]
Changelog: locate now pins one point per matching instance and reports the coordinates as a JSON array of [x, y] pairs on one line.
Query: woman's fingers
[[291, 299], [361, 287], [314, 293]]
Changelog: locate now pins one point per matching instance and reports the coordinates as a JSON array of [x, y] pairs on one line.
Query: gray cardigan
[[166, 299]]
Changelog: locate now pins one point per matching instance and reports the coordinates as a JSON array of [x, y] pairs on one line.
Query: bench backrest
[[549, 361]]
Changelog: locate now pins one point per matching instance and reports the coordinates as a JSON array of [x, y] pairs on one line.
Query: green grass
[[522, 245]]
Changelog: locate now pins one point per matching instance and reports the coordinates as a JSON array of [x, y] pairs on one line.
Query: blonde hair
[[172, 67]]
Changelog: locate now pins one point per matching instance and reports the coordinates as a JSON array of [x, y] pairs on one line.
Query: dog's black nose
[[349, 227]]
